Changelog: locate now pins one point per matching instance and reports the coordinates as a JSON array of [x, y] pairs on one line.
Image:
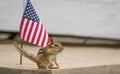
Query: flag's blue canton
[[30, 12]]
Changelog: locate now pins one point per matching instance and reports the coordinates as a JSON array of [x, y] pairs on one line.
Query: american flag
[[32, 29]]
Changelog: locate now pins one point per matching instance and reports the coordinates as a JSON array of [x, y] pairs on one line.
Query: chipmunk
[[46, 56]]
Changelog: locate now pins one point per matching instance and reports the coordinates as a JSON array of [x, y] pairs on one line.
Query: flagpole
[[24, 4], [21, 53]]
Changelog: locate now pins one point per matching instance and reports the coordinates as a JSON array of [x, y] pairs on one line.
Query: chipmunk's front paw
[[52, 67]]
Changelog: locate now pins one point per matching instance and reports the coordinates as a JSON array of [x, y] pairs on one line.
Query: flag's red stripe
[[26, 26], [21, 25], [36, 29], [31, 27], [43, 40], [39, 36]]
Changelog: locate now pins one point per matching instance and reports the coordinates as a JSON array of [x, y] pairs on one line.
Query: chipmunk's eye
[[56, 45]]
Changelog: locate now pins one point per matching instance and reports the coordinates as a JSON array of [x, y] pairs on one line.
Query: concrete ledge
[[5, 70], [105, 69]]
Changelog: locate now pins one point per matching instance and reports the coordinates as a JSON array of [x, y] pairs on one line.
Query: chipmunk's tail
[[25, 53]]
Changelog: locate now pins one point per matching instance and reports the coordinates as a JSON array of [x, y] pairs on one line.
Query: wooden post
[[21, 53]]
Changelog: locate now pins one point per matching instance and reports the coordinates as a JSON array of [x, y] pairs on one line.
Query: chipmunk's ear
[[53, 40]]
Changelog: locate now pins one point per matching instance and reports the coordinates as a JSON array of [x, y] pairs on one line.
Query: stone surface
[[106, 69]]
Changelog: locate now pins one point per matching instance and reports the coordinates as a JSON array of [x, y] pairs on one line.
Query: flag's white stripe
[[42, 35], [46, 39], [33, 30], [23, 28], [28, 30], [37, 34]]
